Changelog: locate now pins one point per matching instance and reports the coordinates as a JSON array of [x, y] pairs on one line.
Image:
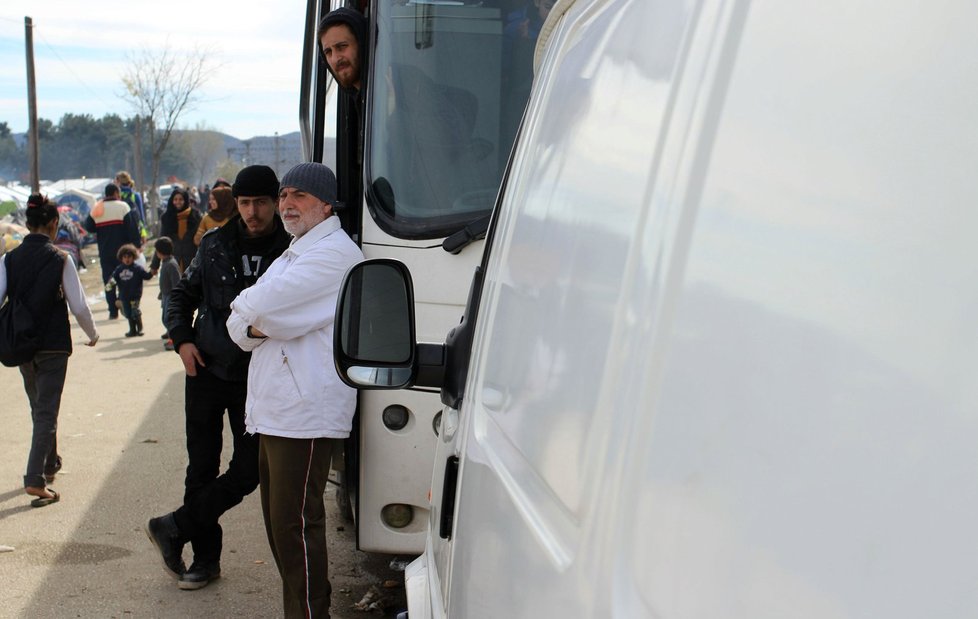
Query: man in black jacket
[[229, 259]]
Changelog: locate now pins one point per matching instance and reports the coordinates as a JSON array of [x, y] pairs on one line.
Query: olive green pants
[[293, 474]]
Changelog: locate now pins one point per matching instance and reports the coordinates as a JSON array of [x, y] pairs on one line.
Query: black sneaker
[[199, 575], [165, 536]]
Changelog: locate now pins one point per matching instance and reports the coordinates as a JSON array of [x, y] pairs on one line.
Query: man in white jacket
[[296, 401]]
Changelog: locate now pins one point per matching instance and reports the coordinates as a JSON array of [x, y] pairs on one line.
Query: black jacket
[[208, 286]]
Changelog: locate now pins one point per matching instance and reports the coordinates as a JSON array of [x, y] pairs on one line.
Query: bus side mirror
[[374, 345]]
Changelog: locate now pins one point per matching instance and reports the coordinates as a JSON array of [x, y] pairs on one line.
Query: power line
[[70, 70]]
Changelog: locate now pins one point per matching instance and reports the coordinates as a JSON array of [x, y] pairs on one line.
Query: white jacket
[[293, 388]]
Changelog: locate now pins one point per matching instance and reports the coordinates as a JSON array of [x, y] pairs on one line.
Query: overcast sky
[[81, 50]]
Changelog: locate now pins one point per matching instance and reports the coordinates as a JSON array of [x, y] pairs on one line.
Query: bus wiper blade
[[474, 231]]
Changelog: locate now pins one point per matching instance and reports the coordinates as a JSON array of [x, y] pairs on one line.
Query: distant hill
[[278, 152]]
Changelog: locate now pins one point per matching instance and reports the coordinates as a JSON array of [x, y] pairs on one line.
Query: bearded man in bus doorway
[[296, 401], [342, 36]]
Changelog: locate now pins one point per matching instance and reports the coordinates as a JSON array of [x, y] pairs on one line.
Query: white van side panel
[[725, 360], [813, 446]]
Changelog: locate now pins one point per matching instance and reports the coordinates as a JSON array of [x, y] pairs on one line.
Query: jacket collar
[[36, 238], [318, 232]]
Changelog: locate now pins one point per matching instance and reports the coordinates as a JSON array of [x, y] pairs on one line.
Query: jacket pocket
[[287, 364]]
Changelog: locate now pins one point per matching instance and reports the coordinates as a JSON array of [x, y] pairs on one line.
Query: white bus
[[418, 168]]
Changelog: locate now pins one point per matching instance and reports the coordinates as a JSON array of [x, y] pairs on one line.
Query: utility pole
[[35, 147], [276, 154], [149, 205]]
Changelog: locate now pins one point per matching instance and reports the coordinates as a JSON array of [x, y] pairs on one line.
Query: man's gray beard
[[300, 228]]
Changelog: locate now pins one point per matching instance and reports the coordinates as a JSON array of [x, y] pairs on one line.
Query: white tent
[[91, 185], [16, 193]]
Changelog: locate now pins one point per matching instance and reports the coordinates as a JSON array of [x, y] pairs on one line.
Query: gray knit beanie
[[254, 181], [312, 178]]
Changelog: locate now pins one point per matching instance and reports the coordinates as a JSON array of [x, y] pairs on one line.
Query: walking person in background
[[220, 209], [296, 401], [179, 223], [128, 194], [195, 199], [169, 278], [41, 277], [135, 201], [205, 194], [114, 224], [229, 260], [128, 278]]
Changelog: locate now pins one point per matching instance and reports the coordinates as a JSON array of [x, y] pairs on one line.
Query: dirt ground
[[121, 436]]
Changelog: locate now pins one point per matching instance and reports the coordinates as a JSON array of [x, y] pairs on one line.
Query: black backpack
[[18, 336]]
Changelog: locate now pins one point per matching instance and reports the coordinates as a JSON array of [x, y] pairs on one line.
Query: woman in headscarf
[[180, 222], [220, 208], [45, 281]]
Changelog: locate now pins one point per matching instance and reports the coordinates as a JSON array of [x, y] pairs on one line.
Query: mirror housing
[[374, 342]]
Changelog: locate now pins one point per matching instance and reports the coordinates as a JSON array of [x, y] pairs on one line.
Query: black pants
[[293, 480], [44, 380], [207, 494], [110, 295]]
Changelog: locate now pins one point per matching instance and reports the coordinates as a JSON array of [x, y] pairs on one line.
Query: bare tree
[[228, 169], [161, 85], [206, 149]]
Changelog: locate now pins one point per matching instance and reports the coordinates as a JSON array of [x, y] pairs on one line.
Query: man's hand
[[191, 357]]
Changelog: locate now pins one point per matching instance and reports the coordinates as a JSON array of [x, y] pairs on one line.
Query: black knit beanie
[[314, 178], [255, 180]]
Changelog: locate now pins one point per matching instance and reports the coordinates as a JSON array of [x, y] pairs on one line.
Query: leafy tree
[[13, 160]]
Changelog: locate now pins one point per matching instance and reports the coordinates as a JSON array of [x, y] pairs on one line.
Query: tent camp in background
[[13, 197], [94, 186], [80, 200]]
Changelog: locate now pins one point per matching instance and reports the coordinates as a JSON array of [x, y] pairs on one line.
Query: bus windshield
[[449, 83]]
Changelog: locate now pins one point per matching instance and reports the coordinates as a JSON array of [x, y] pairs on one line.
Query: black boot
[[165, 535], [139, 324], [132, 329]]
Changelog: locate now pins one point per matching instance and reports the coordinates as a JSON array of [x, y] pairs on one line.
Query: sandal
[[43, 501]]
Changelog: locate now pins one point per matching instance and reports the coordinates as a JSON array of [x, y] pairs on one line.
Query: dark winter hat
[[353, 19], [255, 180], [314, 178]]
